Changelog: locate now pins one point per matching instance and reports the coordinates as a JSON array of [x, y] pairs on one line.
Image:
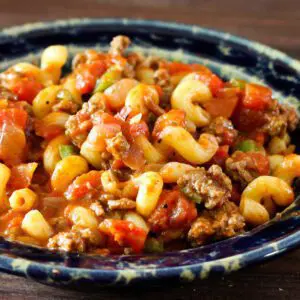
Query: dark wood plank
[[273, 22]]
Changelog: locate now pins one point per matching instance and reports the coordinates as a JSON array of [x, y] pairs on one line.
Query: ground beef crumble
[[78, 240], [244, 167], [123, 203], [213, 186], [223, 130], [118, 45], [219, 223], [280, 118]]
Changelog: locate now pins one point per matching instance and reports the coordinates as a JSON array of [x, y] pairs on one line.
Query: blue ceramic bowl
[[227, 55]]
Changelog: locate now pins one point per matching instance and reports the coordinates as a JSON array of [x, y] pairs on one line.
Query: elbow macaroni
[[83, 217], [67, 170], [151, 154], [150, 186], [289, 168], [118, 92], [262, 187], [137, 97], [51, 154], [179, 139], [23, 199], [188, 92], [171, 171], [35, 225]]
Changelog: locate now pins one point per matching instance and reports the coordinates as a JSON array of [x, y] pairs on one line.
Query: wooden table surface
[[273, 22]]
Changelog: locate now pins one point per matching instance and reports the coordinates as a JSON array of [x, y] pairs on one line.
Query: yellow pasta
[[93, 147], [264, 187], [197, 152], [110, 183], [83, 217], [275, 160], [44, 100], [151, 154], [32, 70], [53, 59], [189, 92], [67, 170], [289, 168], [138, 96], [55, 55], [22, 199], [4, 177], [35, 225], [145, 75], [70, 85], [171, 171], [137, 220], [51, 154], [56, 119], [117, 93], [150, 187]]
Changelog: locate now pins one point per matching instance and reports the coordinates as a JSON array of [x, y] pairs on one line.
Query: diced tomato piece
[[223, 104], [134, 157], [247, 120], [257, 97], [174, 117], [211, 80], [26, 88], [48, 132], [21, 176], [260, 162], [86, 185], [258, 136], [87, 75], [140, 128], [10, 219], [125, 233], [172, 211], [118, 164], [221, 155], [16, 116], [12, 143]]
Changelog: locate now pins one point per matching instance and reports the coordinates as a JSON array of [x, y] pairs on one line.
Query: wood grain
[[273, 22]]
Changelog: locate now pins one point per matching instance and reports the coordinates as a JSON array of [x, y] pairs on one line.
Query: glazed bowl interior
[[226, 55]]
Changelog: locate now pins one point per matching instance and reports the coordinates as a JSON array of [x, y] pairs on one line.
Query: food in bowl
[[129, 154]]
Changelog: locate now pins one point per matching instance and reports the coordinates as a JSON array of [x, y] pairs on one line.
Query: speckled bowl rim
[[25, 267]]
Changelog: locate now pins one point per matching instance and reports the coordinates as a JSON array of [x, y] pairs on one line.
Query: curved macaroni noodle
[[189, 92], [264, 186]]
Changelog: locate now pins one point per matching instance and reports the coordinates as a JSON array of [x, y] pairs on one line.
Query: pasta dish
[[129, 153]]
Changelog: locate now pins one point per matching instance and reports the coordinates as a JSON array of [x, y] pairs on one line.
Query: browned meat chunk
[[97, 208], [59, 224], [223, 130], [162, 78], [219, 223], [213, 187], [76, 240], [244, 167], [79, 125], [152, 62], [280, 118], [118, 45], [117, 146], [123, 203]]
